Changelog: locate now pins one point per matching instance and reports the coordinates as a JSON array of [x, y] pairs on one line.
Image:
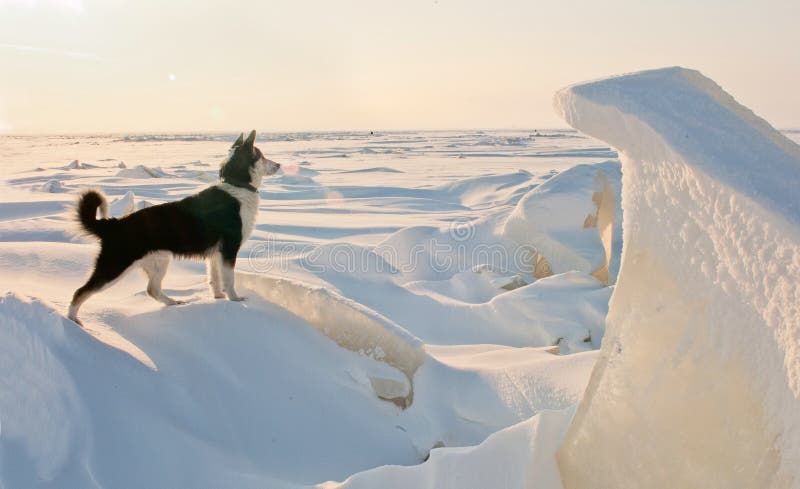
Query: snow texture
[[698, 383]]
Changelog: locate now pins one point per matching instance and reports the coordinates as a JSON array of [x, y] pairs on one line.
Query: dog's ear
[[251, 138], [238, 141]]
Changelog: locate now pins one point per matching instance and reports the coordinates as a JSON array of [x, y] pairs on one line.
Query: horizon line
[[300, 131]]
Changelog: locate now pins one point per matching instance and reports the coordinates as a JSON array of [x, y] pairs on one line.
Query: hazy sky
[[143, 65]]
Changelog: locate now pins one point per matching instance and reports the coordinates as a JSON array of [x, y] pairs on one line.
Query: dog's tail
[[88, 203]]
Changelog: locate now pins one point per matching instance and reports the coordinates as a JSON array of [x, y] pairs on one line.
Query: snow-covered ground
[[428, 301], [393, 306]]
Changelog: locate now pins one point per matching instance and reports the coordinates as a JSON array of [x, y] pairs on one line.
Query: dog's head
[[246, 164]]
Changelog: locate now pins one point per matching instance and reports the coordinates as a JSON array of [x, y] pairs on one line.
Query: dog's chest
[[248, 207]]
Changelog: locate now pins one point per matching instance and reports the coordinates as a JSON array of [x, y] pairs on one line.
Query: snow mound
[[122, 206], [488, 190], [142, 171], [432, 253], [52, 187], [78, 165], [573, 220], [698, 383], [467, 392], [302, 170], [203, 176], [475, 286]]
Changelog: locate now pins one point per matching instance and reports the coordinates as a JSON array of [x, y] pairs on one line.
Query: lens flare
[[290, 168]]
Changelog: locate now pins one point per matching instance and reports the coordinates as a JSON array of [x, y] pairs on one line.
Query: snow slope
[[698, 384], [516, 457], [77, 413]]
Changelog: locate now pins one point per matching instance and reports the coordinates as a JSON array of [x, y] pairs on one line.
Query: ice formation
[[570, 220], [698, 383], [352, 326], [124, 205]]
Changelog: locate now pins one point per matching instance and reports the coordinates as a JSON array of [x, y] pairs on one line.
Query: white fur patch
[[248, 206]]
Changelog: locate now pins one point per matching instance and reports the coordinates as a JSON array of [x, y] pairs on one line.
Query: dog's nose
[[277, 165]]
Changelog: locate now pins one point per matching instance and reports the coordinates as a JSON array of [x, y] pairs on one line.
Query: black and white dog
[[209, 225]]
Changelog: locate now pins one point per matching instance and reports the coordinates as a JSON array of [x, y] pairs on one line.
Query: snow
[[399, 328], [52, 186], [351, 325], [558, 220], [516, 457], [78, 413], [141, 171], [698, 383], [124, 205], [348, 354]]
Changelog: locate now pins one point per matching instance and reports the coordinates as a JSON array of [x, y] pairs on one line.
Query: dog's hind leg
[[107, 269], [215, 274], [227, 283], [155, 266]]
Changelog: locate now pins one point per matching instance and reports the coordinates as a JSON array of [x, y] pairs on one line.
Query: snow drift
[[352, 326], [573, 221], [142, 171], [698, 383]]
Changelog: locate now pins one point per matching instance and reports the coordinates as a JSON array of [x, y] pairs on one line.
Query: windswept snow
[[424, 309], [698, 384], [387, 314]]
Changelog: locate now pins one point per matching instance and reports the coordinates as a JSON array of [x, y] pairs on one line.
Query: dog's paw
[[237, 298], [219, 296]]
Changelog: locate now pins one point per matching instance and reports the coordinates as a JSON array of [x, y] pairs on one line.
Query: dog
[[210, 225]]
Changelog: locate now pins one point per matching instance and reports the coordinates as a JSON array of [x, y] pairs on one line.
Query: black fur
[[87, 211]]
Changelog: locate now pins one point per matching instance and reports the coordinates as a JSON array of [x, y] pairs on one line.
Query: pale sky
[[87, 66]]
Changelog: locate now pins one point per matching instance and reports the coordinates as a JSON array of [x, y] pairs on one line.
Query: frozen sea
[[272, 392], [352, 186]]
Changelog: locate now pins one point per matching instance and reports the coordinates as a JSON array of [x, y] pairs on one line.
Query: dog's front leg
[[229, 248], [227, 282]]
